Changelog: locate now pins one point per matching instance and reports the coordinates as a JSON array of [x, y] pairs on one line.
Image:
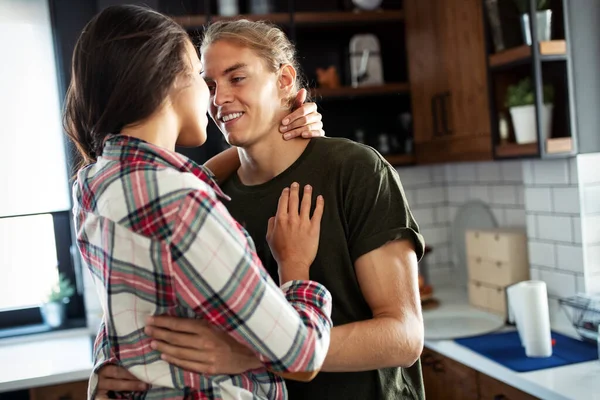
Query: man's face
[[244, 98]]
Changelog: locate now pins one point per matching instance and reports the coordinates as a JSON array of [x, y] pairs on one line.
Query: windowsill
[[32, 333]]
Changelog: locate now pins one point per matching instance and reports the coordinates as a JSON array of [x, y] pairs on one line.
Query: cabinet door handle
[[427, 359], [500, 397], [438, 366], [445, 103]]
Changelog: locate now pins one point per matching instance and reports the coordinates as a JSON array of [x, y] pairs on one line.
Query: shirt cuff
[[308, 292]]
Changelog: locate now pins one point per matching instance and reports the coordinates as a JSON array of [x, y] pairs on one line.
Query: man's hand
[[117, 379], [305, 121], [195, 346]]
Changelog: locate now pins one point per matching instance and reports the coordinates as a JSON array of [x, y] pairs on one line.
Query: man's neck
[[268, 158]]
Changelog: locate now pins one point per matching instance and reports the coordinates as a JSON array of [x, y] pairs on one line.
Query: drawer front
[[496, 246], [496, 273], [491, 389], [65, 391], [497, 300], [479, 295]]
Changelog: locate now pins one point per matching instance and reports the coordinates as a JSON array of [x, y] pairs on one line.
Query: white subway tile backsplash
[[515, 217], [581, 286], [592, 259], [527, 167], [591, 199], [569, 257], [466, 172], [531, 226], [560, 284], [433, 195], [480, 193], [512, 171], [415, 175], [452, 210], [506, 195], [438, 173], [546, 172], [499, 215], [566, 200], [588, 166], [435, 236], [489, 172], [458, 194], [554, 227], [441, 254], [424, 216], [520, 195], [591, 229], [441, 276], [577, 229], [534, 274], [541, 254], [411, 196], [538, 199], [442, 215], [573, 171], [593, 284], [450, 170]]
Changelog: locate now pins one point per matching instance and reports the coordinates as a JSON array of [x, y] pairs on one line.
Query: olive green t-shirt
[[365, 207]]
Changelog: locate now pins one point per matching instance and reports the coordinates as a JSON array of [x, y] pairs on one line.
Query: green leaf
[[522, 94], [61, 290]]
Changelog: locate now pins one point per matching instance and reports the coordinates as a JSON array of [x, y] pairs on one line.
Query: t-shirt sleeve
[[376, 209]]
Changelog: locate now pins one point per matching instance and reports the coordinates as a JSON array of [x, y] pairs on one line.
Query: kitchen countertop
[[45, 359], [56, 358], [579, 381]]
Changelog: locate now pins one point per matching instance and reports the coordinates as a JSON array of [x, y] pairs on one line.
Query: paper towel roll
[[528, 301]]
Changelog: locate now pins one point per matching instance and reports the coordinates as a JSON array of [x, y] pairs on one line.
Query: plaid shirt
[[157, 240]]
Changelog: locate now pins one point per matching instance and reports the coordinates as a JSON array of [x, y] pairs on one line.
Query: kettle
[[528, 308]]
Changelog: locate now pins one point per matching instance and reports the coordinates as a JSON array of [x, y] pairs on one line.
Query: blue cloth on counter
[[505, 348]]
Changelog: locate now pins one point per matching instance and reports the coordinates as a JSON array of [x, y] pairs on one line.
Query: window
[[35, 219]]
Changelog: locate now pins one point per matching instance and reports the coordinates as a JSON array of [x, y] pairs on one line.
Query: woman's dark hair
[[124, 64]]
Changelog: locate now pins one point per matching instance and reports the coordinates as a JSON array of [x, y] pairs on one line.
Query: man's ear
[[287, 81]]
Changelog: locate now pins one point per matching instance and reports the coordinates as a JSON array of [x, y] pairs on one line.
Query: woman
[[153, 232]]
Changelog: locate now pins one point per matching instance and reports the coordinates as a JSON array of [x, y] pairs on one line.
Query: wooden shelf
[[307, 18], [552, 48], [300, 18], [559, 145], [348, 91], [516, 150], [400, 159]]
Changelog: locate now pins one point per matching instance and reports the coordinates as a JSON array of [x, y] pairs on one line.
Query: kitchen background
[[435, 87]]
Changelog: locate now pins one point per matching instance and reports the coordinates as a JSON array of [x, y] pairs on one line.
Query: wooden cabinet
[[491, 389], [65, 391], [445, 44], [446, 379]]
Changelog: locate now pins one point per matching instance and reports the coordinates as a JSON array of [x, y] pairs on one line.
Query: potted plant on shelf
[[543, 17], [53, 308], [520, 100]]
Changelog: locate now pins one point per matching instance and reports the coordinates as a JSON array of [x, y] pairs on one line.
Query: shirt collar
[[129, 149]]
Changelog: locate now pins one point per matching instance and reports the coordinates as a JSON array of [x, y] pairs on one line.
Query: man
[[368, 251]]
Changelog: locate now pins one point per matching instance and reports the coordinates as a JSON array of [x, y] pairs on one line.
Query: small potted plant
[[53, 308], [520, 100], [543, 17]]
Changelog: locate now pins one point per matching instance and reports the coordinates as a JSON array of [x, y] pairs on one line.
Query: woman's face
[[190, 101], [245, 96]]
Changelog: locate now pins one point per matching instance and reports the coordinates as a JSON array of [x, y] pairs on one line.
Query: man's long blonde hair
[[268, 41]]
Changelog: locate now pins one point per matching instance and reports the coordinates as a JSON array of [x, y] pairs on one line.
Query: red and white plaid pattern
[[157, 240]]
